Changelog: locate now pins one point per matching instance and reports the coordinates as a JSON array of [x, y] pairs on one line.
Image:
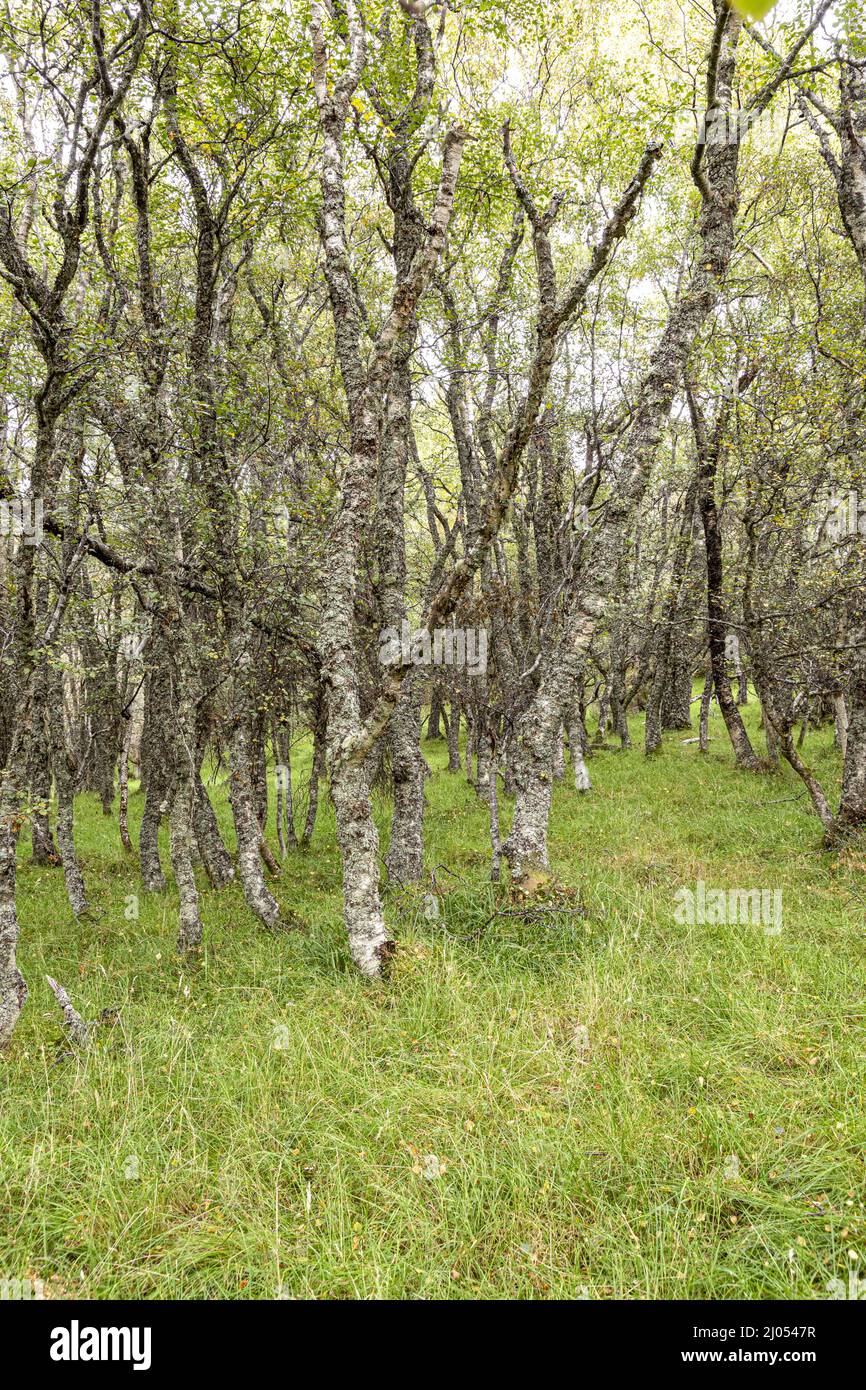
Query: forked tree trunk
[[366, 389], [714, 170], [708, 446], [214, 855]]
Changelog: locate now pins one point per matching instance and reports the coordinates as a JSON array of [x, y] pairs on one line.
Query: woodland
[[433, 623]]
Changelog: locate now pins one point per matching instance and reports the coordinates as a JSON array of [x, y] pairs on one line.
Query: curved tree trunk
[[602, 563], [717, 627]]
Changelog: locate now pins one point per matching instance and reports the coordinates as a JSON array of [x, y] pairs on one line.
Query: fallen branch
[[77, 1030]]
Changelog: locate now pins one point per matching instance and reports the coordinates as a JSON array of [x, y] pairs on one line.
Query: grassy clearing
[[605, 1105]]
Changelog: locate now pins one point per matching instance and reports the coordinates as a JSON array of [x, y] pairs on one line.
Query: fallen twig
[[77, 1030]]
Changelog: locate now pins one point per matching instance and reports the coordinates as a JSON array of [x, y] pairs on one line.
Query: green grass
[[281, 1114]]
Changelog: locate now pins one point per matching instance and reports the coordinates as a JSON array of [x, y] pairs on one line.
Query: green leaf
[[753, 9]]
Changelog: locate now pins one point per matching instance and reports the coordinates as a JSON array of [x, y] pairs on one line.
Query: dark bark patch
[[386, 951]]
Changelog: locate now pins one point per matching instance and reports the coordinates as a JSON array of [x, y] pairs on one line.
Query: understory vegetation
[[597, 1102]]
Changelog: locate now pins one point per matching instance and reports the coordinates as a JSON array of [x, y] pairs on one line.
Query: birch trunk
[[64, 781], [714, 169], [851, 816], [366, 389], [577, 744], [154, 772], [717, 627], [13, 989]]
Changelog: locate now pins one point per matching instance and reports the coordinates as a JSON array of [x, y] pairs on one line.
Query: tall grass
[[597, 1103]]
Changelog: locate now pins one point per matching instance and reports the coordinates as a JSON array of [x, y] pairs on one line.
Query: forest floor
[[595, 1103]]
